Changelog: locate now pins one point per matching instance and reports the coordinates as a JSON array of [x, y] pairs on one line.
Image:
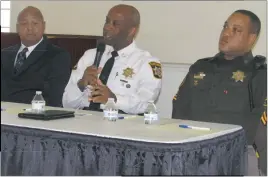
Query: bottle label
[[38, 105], [151, 117], [110, 114]]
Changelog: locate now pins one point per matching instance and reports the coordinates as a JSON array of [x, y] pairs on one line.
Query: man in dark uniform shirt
[[231, 86]]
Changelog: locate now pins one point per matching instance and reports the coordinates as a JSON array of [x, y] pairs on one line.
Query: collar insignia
[[200, 75]]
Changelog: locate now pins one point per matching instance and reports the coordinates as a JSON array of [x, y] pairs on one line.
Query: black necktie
[[20, 59], [105, 73]]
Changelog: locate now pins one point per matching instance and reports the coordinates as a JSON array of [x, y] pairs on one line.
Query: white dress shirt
[[30, 49], [132, 92]]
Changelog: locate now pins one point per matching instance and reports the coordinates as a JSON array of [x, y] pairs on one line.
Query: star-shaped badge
[[238, 76], [128, 72]]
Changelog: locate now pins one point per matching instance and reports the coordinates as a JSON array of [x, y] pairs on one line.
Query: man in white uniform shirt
[[134, 77]]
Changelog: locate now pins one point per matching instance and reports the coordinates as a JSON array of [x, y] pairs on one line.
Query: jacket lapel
[[39, 50], [10, 56]]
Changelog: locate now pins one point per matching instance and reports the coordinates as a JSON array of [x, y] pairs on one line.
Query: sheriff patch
[[157, 69]]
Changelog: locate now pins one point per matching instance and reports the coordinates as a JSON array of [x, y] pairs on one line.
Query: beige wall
[[177, 32]]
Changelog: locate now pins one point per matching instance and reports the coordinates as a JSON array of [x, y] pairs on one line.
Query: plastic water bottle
[[38, 103], [150, 114], [110, 111]]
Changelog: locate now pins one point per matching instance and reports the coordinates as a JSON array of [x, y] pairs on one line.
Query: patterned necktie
[[20, 59], [105, 73]]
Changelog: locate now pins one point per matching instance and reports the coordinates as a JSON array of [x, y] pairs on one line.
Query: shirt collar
[[246, 58], [31, 48], [125, 52]]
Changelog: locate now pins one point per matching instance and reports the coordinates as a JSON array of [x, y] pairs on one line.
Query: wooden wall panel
[[76, 45]]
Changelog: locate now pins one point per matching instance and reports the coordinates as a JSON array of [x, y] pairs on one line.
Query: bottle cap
[[38, 92]]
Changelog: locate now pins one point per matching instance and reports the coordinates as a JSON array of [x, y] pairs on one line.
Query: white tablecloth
[[131, 128]]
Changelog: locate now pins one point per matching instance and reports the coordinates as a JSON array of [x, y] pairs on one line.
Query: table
[[89, 145]]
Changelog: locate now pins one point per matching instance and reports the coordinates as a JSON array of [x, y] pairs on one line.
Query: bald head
[[30, 10], [121, 26], [129, 12], [30, 25]]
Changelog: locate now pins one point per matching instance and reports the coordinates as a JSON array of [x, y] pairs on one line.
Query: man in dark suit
[[35, 64]]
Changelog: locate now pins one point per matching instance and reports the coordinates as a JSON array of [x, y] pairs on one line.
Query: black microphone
[[100, 51]]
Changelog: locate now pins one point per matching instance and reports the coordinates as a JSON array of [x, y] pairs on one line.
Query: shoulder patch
[[264, 118], [175, 97], [264, 115], [157, 69]]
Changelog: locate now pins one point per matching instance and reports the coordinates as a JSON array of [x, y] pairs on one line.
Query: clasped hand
[[100, 92]]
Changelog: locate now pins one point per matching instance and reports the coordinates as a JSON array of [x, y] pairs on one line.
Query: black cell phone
[[47, 115]]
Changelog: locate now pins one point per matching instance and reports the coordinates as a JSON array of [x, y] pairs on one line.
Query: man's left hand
[[100, 93]]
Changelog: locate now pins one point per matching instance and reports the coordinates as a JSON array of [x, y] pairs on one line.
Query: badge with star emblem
[[238, 76], [157, 69], [128, 72]]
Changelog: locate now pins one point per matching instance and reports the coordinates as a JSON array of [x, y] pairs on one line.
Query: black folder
[[47, 115]]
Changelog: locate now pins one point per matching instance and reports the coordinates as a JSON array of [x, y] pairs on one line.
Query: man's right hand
[[89, 78]]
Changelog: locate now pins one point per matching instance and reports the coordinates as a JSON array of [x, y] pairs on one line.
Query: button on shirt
[[30, 49], [132, 79]]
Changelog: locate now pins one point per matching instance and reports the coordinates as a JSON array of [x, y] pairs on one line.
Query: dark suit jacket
[[46, 69]]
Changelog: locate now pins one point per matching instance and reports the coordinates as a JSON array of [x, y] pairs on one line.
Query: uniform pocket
[[234, 96]]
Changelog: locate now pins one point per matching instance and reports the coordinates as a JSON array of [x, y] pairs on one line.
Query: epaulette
[[260, 62]]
